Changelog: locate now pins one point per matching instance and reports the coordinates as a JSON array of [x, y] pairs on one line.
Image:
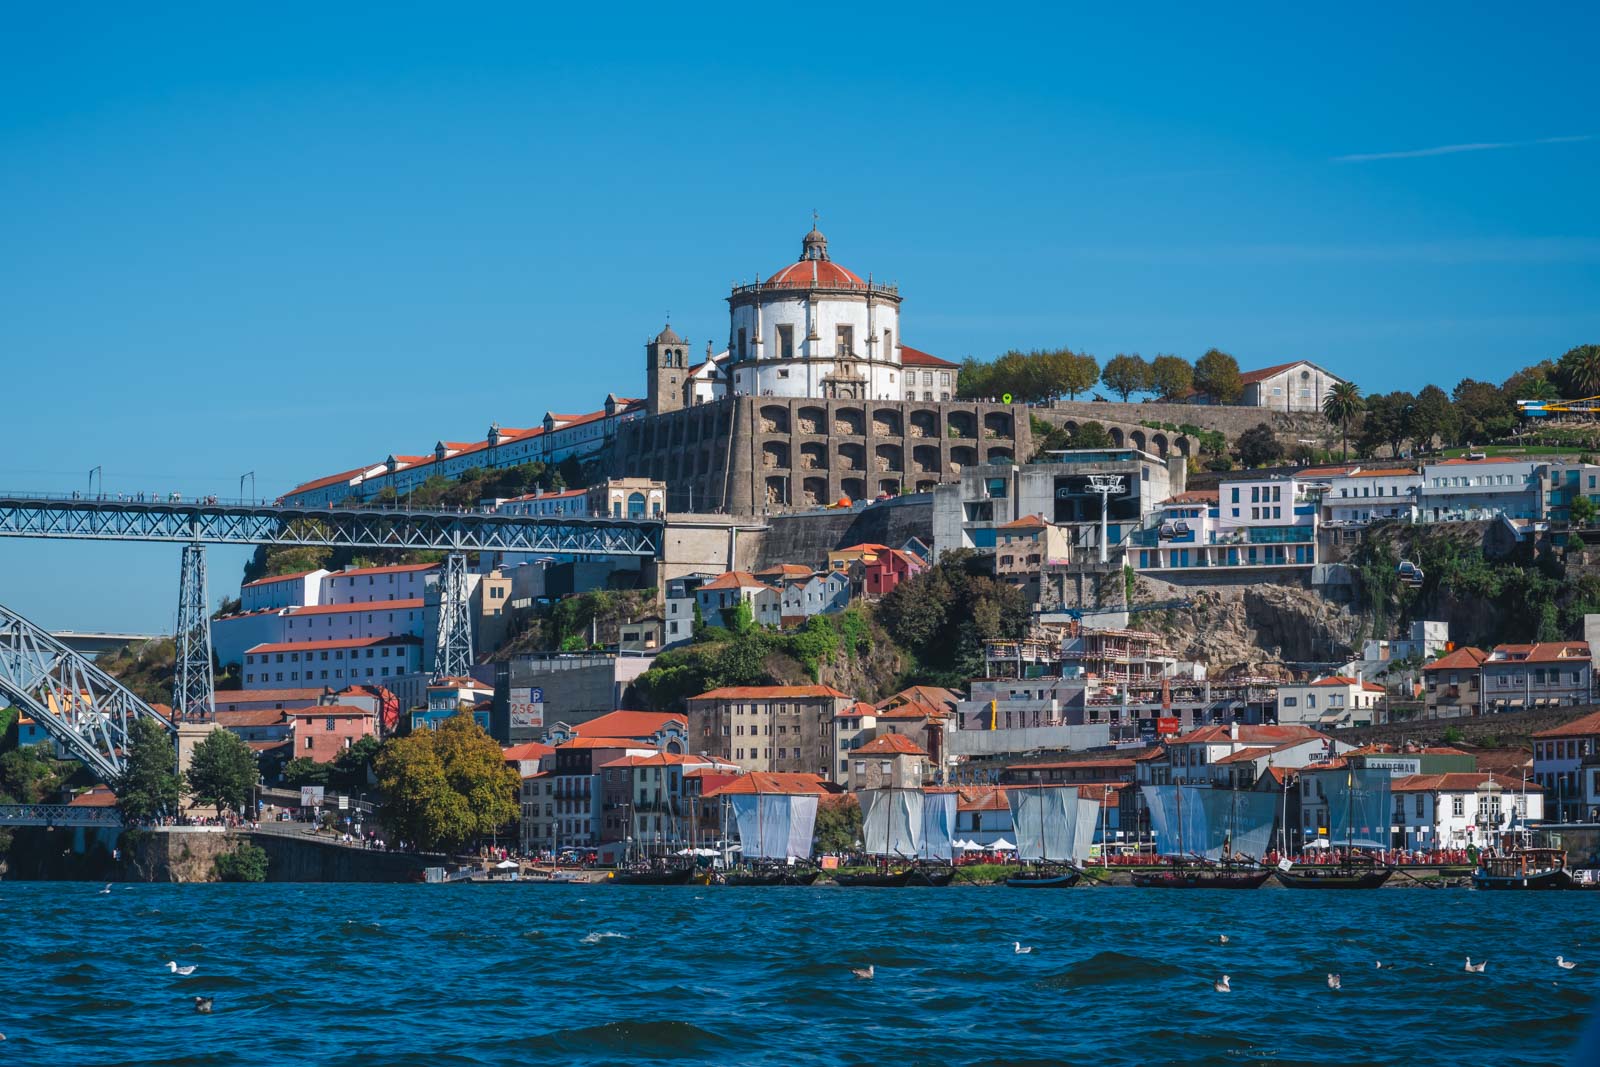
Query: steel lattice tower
[[452, 655], [192, 687]]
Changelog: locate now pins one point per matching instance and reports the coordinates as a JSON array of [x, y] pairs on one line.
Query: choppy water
[[509, 974]]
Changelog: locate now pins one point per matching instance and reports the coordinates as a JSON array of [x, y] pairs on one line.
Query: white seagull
[[864, 972], [106, 890], [1476, 968], [172, 965], [1378, 964], [1020, 949], [1565, 964], [203, 1005], [1221, 985], [1222, 939], [1333, 982]]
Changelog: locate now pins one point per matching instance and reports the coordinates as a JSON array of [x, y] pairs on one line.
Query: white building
[[1329, 702], [1297, 386], [815, 329], [1358, 495], [338, 663], [1468, 489], [728, 590], [1462, 808], [1248, 522], [281, 591]]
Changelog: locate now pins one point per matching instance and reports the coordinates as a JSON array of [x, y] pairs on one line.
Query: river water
[[526, 973]]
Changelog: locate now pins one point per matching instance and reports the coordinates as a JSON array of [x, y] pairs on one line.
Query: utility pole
[[1106, 485]]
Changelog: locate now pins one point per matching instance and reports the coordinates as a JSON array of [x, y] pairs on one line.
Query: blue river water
[[527, 973]]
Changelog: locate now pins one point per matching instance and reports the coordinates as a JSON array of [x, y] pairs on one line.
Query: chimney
[[1233, 731]]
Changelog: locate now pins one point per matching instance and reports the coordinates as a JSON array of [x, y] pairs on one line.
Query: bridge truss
[[80, 705]]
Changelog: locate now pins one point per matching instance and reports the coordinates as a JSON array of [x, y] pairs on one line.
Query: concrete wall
[[807, 537], [1231, 420], [980, 743]]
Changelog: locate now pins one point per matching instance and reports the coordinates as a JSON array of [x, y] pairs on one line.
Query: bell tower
[[667, 371]]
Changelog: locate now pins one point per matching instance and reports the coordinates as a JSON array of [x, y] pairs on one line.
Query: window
[[1290, 702], [785, 341], [1419, 805], [844, 342], [1458, 806], [743, 351]]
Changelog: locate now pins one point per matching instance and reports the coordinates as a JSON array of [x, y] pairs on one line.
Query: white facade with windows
[[1365, 495], [1255, 522]]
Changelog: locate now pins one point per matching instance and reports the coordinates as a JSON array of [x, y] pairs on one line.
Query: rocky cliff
[[1256, 629]]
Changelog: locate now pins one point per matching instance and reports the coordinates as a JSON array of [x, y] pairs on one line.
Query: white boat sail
[[775, 826], [1191, 820], [1052, 825], [938, 827], [892, 822]]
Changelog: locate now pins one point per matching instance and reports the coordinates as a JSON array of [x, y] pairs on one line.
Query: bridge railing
[[51, 815]]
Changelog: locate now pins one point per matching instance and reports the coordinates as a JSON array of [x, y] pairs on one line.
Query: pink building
[[321, 733]]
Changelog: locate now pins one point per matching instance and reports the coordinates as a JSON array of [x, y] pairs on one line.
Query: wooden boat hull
[[888, 880], [673, 877], [1548, 879], [1204, 878], [768, 878], [934, 876], [1042, 880], [1334, 878]]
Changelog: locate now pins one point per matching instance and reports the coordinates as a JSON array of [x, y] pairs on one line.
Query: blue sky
[[289, 240]]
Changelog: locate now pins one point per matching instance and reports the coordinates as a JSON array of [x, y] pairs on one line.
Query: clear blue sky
[[299, 237]]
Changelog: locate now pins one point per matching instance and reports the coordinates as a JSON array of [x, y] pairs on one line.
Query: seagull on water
[[1221, 985], [1333, 982], [865, 972], [1222, 939], [1565, 964], [1378, 964], [203, 1005], [172, 965], [1020, 949], [1476, 968]]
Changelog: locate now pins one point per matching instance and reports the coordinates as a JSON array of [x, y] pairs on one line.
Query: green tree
[[943, 616], [1341, 405], [350, 769], [1578, 371], [1484, 411], [1433, 417], [1532, 383], [838, 825], [303, 770], [246, 863], [1582, 511], [1259, 447], [222, 772], [148, 785], [1126, 374], [1388, 422], [1077, 373], [445, 787], [1171, 377], [1216, 374], [1091, 434]]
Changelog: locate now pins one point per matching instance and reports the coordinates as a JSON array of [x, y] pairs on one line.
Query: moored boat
[[932, 874], [1055, 828], [1225, 829], [1334, 877], [652, 876], [876, 879], [1184, 876], [1358, 808], [769, 876], [1044, 878], [1523, 868]]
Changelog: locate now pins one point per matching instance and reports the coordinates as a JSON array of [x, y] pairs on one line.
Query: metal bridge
[[91, 712], [80, 705], [51, 816]]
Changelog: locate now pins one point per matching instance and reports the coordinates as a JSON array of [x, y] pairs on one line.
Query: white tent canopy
[[1003, 845]]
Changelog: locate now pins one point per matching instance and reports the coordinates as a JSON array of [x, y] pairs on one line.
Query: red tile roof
[[1463, 658], [856, 710], [337, 711], [1249, 735], [1250, 377], [223, 697], [913, 357], [528, 750], [775, 782], [1345, 680], [100, 796], [313, 646], [890, 744], [1585, 727], [814, 272], [397, 568], [1026, 522], [1246, 755], [671, 759], [629, 724], [736, 580], [235, 720], [1459, 782], [276, 578], [1543, 652], [1384, 472], [356, 606], [771, 692], [603, 742], [1193, 496], [343, 476]]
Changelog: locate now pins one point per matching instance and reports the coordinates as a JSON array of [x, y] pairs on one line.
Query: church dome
[[820, 273], [668, 336]]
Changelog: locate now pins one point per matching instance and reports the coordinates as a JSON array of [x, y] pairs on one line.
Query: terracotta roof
[[313, 646], [910, 710], [670, 759], [331, 479], [603, 742], [359, 605], [1250, 377], [276, 578], [866, 546], [736, 580], [258, 696], [1033, 522], [1249, 735], [629, 724], [1246, 755], [335, 711], [1459, 782], [398, 568], [1584, 727], [771, 692], [913, 357], [787, 570], [100, 796], [980, 798], [561, 494], [856, 710], [458, 682], [924, 694], [1543, 652], [1345, 680], [1465, 461], [259, 747], [254, 717], [775, 782], [1464, 658], [1384, 472], [823, 273], [890, 744], [1338, 470]]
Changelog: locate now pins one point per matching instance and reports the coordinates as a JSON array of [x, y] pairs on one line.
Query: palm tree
[[1580, 369], [1342, 404]]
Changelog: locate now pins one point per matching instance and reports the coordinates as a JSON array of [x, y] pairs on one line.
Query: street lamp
[[94, 471], [252, 476]]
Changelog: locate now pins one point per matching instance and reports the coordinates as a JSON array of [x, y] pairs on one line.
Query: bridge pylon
[[452, 654], [194, 681]]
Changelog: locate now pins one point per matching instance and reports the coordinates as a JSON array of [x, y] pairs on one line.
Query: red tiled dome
[[827, 273]]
